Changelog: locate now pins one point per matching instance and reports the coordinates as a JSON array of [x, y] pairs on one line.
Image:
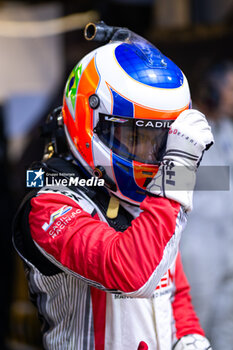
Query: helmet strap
[[113, 208]]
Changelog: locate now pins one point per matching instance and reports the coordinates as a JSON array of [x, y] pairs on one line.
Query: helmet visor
[[142, 140]]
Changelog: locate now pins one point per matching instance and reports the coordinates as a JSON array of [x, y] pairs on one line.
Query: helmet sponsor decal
[[134, 122], [72, 84], [63, 210]]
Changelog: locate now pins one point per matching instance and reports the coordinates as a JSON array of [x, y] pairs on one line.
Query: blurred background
[[40, 43]]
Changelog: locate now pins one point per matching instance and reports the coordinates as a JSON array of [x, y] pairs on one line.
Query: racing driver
[[102, 262]]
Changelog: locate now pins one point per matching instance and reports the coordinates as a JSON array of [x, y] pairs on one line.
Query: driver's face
[[140, 142]]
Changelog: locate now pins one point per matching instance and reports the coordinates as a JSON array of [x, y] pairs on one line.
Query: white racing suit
[[101, 288]]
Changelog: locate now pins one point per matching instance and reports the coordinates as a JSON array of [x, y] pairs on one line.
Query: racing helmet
[[119, 102]]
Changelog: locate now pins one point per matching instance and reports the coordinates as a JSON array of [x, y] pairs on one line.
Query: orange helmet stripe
[[142, 112], [84, 114], [149, 113], [143, 173]]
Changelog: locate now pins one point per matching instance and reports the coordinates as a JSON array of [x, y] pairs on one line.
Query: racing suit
[[105, 284]]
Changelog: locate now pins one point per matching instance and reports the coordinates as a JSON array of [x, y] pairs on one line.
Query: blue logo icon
[[35, 178]]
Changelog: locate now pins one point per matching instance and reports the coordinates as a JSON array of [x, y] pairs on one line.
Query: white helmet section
[[147, 96]]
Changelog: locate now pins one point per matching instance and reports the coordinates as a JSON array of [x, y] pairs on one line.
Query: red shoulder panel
[[70, 236]]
